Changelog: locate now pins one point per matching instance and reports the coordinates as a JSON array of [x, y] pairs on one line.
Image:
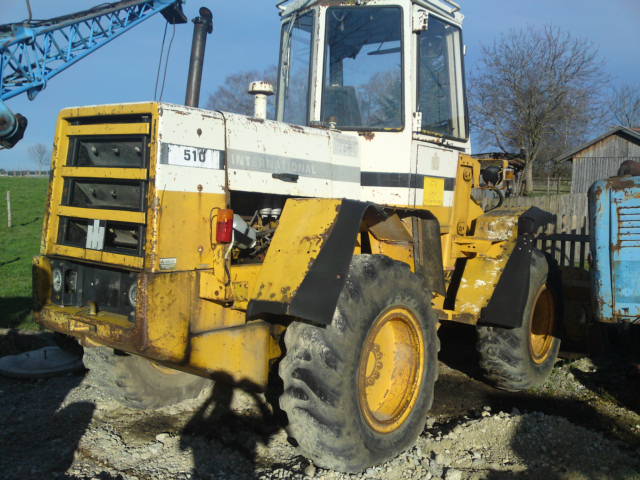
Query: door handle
[[286, 177]]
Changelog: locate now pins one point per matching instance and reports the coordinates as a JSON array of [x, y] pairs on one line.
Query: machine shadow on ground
[[616, 372], [14, 310], [46, 448], [217, 429]]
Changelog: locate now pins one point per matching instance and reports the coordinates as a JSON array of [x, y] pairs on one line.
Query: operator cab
[[374, 66]]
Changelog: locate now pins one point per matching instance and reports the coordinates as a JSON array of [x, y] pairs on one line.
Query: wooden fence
[[565, 206], [569, 248], [568, 239], [552, 185]]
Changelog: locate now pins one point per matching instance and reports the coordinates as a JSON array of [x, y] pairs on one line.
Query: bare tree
[[232, 95], [625, 105], [41, 155], [537, 91], [381, 98]]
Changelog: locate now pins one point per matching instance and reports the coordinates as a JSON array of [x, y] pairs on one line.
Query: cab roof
[[448, 8]]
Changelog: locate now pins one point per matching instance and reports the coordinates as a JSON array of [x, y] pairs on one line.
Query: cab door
[[440, 125]]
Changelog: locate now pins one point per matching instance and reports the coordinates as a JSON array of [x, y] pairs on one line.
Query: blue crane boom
[[31, 53]]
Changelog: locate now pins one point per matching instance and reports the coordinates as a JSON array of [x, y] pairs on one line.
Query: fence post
[[8, 209]]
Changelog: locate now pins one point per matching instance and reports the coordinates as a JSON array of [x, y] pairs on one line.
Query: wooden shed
[[601, 158]]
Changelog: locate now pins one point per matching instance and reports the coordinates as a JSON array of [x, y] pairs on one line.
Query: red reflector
[[224, 226]]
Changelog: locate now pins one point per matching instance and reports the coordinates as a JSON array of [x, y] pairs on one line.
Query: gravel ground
[[583, 424]]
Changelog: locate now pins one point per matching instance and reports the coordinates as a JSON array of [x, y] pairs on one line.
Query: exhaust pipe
[[261, 90], [202, 26]]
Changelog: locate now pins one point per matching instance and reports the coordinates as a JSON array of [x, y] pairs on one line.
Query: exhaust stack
[[261, 90], [202, 26]]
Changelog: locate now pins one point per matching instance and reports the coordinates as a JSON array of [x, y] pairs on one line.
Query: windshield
[[295, 66], [362, 86]]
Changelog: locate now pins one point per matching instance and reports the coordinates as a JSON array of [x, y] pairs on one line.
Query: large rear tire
[[357, 391], [516, 359], [136, 382]]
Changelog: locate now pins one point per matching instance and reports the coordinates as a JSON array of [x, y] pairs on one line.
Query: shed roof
[[633, 133]]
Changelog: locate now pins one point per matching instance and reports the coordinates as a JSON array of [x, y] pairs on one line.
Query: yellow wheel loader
[[323, 247]]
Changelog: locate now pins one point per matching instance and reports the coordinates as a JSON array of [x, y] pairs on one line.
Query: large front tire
[[136, 382], [516, 359], [357, 391]]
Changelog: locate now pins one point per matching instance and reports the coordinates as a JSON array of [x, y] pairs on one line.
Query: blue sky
[[245, 37]]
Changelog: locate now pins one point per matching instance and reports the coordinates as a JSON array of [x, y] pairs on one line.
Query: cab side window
[[440, 89]]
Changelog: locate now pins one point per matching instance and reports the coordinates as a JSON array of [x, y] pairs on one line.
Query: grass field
[[18, 245]]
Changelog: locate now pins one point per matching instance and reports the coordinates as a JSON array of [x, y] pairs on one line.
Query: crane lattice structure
[[33, 52]]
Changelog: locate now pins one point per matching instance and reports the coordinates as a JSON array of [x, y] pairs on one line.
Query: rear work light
[[224, 226]]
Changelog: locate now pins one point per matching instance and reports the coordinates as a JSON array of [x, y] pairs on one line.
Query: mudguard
[[507, 304], [308, 260]]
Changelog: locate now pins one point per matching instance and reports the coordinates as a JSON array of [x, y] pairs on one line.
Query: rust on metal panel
[[41, 280], [494, 240], [150, 334], [620, 183], [154, 210], [168, 314], [368, 136], [599, 300], [104, 328], [598, 191], [142, 309], [498, 225], [303, 230]]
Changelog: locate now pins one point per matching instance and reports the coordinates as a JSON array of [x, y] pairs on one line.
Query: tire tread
[[504, 353], [318, 420]]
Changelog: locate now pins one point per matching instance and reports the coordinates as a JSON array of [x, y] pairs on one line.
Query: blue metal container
[[614, 225]]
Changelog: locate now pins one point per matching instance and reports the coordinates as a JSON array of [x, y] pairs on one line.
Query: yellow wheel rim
[[543, 322], [391, 369]]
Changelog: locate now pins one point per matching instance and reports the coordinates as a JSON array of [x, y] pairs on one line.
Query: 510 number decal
[[196, 155], [185, 156]]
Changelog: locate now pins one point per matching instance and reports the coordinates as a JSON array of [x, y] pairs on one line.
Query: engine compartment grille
[[628, 226], [101, 187]]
